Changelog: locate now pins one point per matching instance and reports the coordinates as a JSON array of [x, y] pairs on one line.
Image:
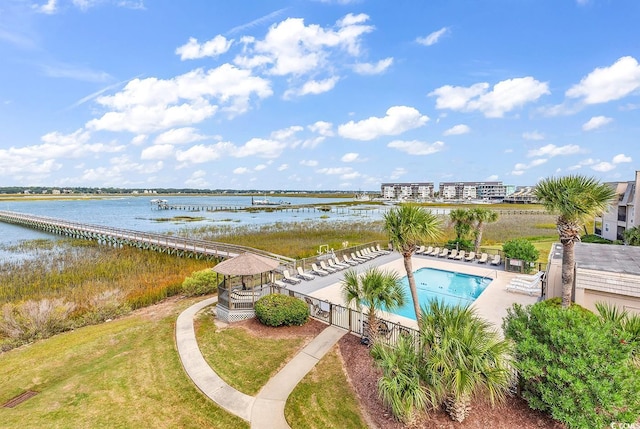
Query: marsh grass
[[244, 361], [121, 374], [306, 408], [296, 240]]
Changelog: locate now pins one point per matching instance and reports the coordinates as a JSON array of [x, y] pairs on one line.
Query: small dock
[[183, 247]]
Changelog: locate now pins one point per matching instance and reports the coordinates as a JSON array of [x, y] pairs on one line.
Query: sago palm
[[481, 216], [409, 226], [462, 356], [573, 198], [375, 289]]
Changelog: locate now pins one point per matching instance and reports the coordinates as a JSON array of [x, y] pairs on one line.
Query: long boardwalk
[[179, 246]]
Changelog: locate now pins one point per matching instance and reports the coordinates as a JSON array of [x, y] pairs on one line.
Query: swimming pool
[[451, 287]]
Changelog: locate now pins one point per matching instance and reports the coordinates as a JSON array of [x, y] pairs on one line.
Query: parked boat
[[267, 202]]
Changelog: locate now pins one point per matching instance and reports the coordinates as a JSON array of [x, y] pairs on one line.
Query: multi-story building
[[472, 190], [612, 224], [407, 191]]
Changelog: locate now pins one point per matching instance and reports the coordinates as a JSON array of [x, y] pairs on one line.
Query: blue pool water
[[448, 286]]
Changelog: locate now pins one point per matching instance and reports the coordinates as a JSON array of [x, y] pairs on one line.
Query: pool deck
[[491, 305]]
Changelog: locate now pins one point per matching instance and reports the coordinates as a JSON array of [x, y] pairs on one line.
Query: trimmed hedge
[[281, 310]]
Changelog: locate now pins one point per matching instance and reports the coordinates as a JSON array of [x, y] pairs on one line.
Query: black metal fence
[[350, 319]]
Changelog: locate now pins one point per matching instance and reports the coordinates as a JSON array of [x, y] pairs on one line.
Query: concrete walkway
[[266, 410]]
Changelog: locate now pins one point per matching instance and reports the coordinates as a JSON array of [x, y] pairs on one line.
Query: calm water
[[137, 213], [453, 288]]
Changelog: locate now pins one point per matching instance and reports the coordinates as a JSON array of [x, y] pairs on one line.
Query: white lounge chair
[[428, 250], [434, 252], [304, 276], [318, 271], [340, 264], [287, 278], [496, 260], [460, 255], [531, 287], [357, 258], [420, 250], [350, 261], [279, 283], [444, 253], [453, 254], [331, 263], [381, 250], [470, 257], [360, 255], [327, 268], [483, 258]]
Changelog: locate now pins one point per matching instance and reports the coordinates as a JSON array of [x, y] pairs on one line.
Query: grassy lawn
[[121, 374], [244, 361], [324, 398]]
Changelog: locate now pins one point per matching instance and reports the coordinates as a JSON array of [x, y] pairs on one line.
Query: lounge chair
[[434, 252], [483, 258], [381, 250], [375, 252], [470, 257], [350, 261], [420, 250], [340, 264], [304, 276], [327, 268], [460, 255], [360, 255], [318, 271], [496, 260], [453, 254], [444, 253], [287, 278], [428, 250], [366, 254], [357, 258], [331, 263], [530, 287], [279, 283]]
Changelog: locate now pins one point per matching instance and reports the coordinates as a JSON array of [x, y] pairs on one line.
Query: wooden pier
[[184, 247]]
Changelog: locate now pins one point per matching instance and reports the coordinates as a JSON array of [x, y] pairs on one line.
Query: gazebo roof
[[246, 264]]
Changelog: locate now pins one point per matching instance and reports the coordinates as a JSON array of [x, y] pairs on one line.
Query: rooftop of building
[[608, 257]]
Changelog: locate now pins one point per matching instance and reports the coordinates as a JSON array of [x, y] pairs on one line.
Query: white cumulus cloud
[[457, 130], [398, 119], [533, 135], [349, 157], [179, 136], [504, 97], [211, 48], [596, 122], [373, 68], [552, 150], [608, 83]]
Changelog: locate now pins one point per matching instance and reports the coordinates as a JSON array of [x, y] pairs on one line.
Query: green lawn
[[121, 374]]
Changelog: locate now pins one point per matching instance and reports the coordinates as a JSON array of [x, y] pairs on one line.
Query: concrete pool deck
[[491, 305]]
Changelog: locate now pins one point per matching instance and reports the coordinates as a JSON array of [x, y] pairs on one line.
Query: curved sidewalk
[[266, 410]]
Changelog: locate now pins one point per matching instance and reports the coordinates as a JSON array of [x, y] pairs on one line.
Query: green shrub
[[462, 244], [281, 310], [523, 249], [574, 365], [590, 238], [200, 283]]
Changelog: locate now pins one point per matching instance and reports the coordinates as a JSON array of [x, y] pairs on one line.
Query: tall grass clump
[[97, 282]]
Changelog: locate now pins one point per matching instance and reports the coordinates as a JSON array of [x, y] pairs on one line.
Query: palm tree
[[462, 220], [573, 198], [399, 386], [481, 216], [375, 289], [462, 354], [409, 226]]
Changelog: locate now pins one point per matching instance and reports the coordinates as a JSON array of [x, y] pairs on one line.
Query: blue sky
[[316, 95]]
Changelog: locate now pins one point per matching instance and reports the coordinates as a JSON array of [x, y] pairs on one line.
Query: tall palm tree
[[462, 355], [375, 289], [409, 226], [573, 198], [481, 216], [462, 220]]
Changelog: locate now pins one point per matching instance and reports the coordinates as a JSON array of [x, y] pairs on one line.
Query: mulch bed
[[363, 376]]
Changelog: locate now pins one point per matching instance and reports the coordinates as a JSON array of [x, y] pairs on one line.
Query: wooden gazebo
[[246, 279]]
